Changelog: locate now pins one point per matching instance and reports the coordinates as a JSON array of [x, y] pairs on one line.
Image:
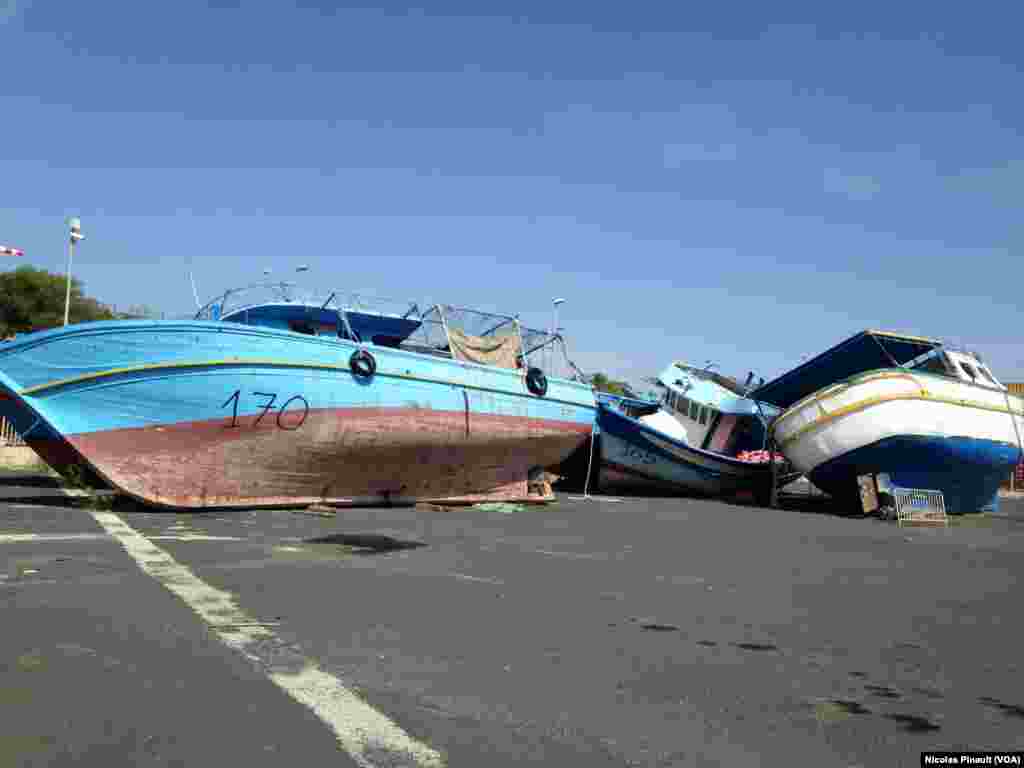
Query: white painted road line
[[368, 736], [17, 538]]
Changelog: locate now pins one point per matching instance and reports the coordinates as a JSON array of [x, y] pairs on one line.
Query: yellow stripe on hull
[[34, 390], [861, 405]]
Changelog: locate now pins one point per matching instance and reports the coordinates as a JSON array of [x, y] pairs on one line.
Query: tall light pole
[[555, 304], [75, 225], [550, 358]]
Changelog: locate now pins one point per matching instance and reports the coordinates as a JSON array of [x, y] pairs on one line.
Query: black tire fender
[[537, 382], [362, 364]]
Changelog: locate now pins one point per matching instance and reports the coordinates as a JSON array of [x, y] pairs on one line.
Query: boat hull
[[51, 447], [923, 431], [197, 415], [634, 458]]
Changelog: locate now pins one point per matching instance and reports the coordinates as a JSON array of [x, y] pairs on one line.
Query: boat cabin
[[957, 365], [382, 329], [712, 411], [869, 351]]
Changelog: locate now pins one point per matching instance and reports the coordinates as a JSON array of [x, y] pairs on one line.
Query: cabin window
[[932, 365], [694, 410], [969, 370], [704, 415], [682, 404]]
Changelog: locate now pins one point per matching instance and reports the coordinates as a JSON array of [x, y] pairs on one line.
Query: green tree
[[139, 312], [33, 298], [602, 383]]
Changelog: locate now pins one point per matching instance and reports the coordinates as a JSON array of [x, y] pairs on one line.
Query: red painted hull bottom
[[344, 456]]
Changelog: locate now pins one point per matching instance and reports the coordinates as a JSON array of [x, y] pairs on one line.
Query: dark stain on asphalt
[[914, 723], [367, 543], [756, 646], [851, 707], [1010, 710], [858, 674], [882, 691], [656, 627], [929, 693], [707, 643]]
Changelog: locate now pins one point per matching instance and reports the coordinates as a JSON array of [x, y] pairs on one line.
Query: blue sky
[[743, 182]]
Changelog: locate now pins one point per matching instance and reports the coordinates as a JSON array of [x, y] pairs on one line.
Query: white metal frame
[[916, 505]]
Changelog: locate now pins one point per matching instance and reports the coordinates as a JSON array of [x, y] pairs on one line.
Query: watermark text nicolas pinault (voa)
[[972, 758]]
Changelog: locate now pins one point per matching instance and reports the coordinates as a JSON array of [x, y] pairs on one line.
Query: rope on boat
[[590, 461], [577, 373], [593, 425], [587, 496]]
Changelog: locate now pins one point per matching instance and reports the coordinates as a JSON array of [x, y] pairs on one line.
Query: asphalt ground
[[646, 632]]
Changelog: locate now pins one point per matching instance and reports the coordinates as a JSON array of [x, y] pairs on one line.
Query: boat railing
[[9, 436], [538, 348], [236, 300]]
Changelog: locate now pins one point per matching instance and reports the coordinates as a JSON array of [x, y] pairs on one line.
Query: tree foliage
[[139, 312], [32, 299], [602, 383]]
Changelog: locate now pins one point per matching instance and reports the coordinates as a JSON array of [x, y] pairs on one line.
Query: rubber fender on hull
[[362, 364], [537, 382]]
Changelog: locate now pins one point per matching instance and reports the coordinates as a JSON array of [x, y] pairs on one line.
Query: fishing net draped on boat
[[502, 350], [490, 339]]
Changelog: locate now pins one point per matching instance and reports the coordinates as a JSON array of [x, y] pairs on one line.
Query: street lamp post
[[555, 303], [75, 225]]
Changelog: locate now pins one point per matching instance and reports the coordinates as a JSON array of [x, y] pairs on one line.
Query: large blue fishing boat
[[264, 399]]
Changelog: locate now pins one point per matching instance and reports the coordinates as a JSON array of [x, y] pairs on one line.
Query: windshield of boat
[[956, 365], [935, 363]]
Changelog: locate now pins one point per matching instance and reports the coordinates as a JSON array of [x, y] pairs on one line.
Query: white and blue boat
[[267, 400], [694, 441], [904, 410]]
